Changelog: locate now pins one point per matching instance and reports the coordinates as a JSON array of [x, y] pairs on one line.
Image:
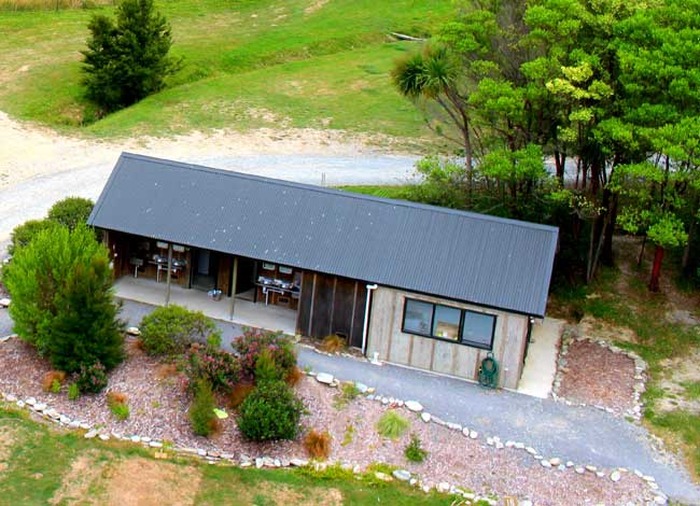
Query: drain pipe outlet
[[365, 328]]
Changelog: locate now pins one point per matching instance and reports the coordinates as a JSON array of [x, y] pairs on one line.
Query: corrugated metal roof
[[464, 256]]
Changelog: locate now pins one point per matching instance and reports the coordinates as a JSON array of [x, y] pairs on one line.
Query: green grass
[[39, 459], [392, 425], [387, 192], [246, 65]]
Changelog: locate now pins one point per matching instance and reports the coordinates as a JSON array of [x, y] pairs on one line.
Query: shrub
[[73, 392], [116, 401], [91, 378], [23, 234], [61, 289], [392, 425], [219, 368], [170, 330], [294, 376], [413, 451], [51, 378], [334, 343], [347, 393], [253, 342], [71, 211], [239, 394], [266, 369], [318, 444], [201, 412], [271, 411]]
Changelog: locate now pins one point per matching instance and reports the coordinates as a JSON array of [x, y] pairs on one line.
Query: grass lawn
[[246, 64], [41, 464], [619, 296]]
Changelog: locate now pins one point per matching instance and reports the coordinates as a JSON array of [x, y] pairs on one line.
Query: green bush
[[271, 411], [392, 425], [73, 392], [23, 234], [414, 451], [120, 411], [220, 368], [71, 211], [266, 369], [170, 330], [201, 411], [62, 303], [251, 344], [91, 378]]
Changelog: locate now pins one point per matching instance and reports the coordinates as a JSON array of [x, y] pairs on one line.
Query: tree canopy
[[128, 60]]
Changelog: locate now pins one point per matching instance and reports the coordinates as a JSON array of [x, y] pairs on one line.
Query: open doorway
[[204, 269]]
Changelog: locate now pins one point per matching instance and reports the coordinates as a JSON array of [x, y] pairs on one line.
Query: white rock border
[[570, 336]]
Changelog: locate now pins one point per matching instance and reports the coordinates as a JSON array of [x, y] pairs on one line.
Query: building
[[411, 284]]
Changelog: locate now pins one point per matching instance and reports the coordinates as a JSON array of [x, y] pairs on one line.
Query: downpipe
[[368, 303]]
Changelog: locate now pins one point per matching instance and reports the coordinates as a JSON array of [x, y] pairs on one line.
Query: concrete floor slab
[[245, 312], [541, 362]]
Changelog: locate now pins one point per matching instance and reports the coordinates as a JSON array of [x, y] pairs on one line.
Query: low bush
[[50, 379], [271, 411], [73, 392], [250, 345], [201, 412], [219, 368], [116, 401], [318, 444], [414, 452], [347, 393], [23, 234], [71, 211], [392, 425], [91, 378], [170, 330], [334, 343]]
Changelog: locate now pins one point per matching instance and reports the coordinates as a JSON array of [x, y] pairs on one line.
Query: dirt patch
[[8, 438], [596, 329], [597, 376], [284, 494], [315, 6], [142, 482], [681, 372], [84, 472]]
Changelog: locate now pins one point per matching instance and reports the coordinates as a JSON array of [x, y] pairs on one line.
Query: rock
[[370, 397], [414, 406], [5, 302], [569, 463], [473, 434], [615, 476], [10, 398], [401, 475], [200, 451], [20, 404], [519, 446], [245, 464], [324, 377], [413, 482], [648, 478], [525, 503], [155, 444], [74, 424], [277, 463], [425, 416], [531, 450], [600, 474], [145, 439], [298, 462], [104, 437], [259, 463], [135, 439], [659, 499], [382, 476], [545, 463], [555, 461], [579, 470], [510, 444], [489, 441], [85, 426], [64, 420], [591, 468], [454, 426], [443, 487], [90, 434], [133, 331], [30, 401], [499, 445], [361, 387], [385, 400]]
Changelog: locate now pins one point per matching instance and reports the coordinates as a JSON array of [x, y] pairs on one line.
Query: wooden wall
[[331, 304], [386, 338]]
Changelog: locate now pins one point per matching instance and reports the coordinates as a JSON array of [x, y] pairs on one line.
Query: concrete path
[[541, 361], [583, 435]]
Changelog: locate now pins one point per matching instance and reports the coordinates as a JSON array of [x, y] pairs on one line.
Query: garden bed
[[158, 405]]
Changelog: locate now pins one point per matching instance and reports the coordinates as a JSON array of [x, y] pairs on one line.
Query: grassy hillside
[[247, 63]]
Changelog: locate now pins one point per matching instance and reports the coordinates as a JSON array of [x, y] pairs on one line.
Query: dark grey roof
[[464, 256]]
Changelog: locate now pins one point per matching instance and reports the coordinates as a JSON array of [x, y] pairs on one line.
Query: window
[[449, 323]]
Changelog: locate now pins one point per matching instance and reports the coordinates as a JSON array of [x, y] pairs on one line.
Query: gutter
[[365, 328]]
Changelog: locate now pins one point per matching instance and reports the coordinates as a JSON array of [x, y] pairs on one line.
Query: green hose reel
[[488, 372]]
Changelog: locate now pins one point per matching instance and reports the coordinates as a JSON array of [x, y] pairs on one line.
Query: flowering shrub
[[253, 342], [220, 369], [92, 378]]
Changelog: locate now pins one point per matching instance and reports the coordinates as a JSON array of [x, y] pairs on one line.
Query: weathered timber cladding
[[330, 305], [392, 345], [223, 282]]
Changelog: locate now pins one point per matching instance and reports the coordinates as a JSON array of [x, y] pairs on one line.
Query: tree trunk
[[641, 251], [607, 257], [656, 269]]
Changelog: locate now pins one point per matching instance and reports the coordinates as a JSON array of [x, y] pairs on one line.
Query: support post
[[170, 268], [234, 280]]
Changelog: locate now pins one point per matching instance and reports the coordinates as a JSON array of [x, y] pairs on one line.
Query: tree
[[127, 61], [62, 302]]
